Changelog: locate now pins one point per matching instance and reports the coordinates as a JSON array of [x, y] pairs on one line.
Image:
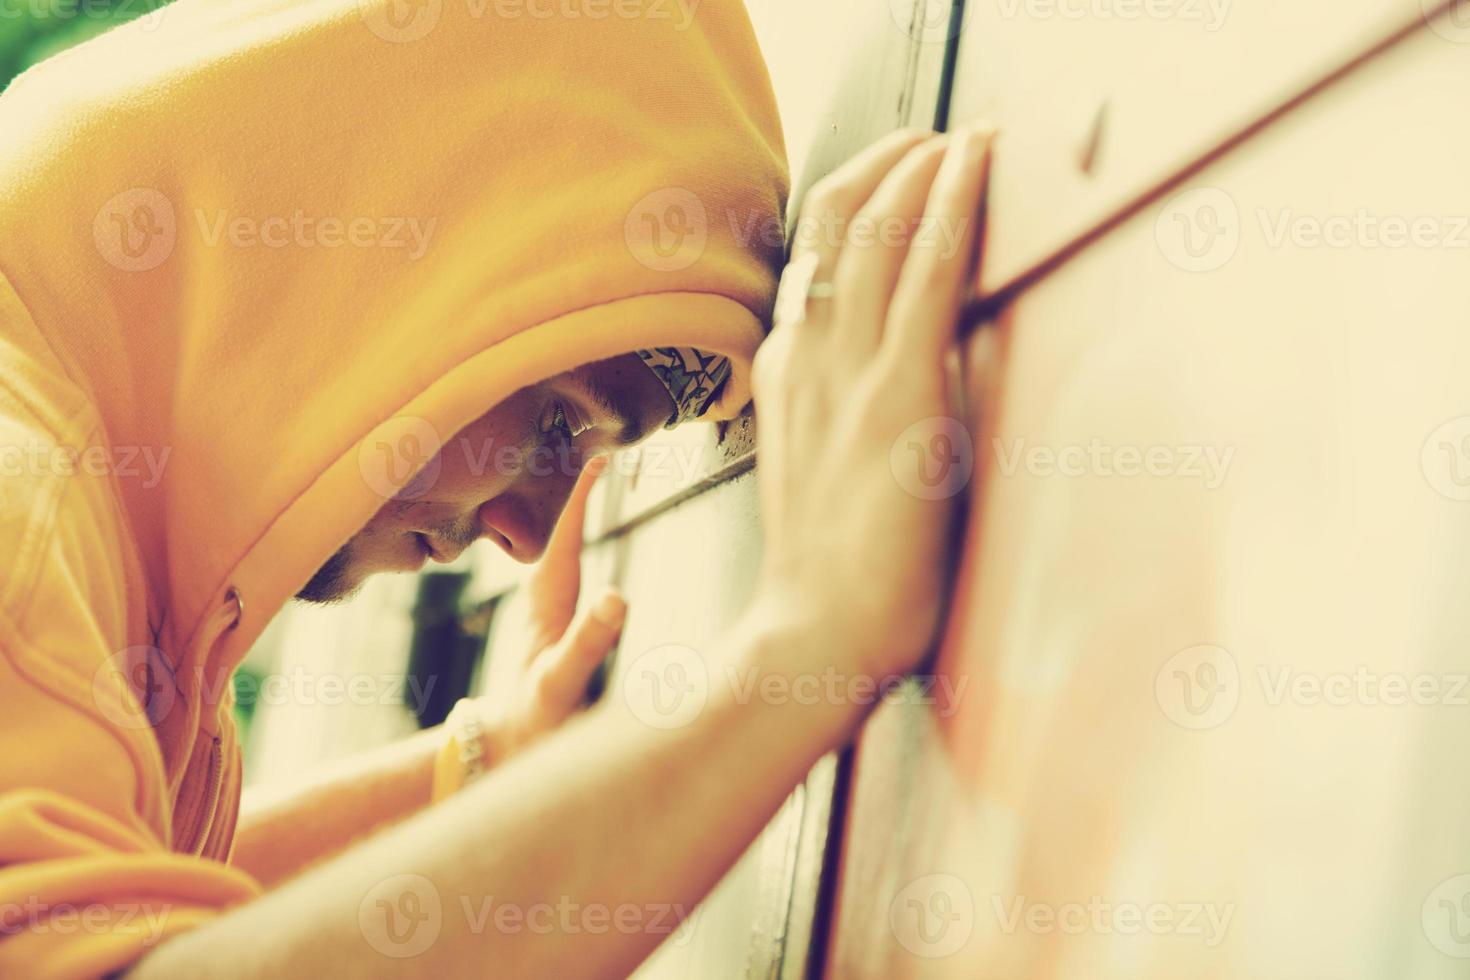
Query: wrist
[[789, 666], [777, 618], [472, 743]]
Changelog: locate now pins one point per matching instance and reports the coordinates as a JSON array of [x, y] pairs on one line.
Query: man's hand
[[854, 560], [549, 677]]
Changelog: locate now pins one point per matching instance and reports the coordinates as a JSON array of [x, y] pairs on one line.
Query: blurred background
[[31, 30]]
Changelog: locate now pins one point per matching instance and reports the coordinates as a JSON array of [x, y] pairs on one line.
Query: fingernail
[[976, 129], [610, 610]]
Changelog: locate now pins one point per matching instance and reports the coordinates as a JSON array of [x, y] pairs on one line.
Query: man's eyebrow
[[615, 403]]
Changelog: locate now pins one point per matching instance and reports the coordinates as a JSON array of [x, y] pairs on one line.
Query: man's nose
[[522, 523]]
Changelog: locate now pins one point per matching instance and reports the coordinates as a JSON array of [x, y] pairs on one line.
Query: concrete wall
[[1188, 743]]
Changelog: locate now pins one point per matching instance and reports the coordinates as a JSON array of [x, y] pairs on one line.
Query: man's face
[[505, 477]]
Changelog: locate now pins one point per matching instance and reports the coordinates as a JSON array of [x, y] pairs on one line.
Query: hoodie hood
[[282, 246]]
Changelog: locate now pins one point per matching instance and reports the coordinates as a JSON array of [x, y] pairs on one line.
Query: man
[[309, 253]]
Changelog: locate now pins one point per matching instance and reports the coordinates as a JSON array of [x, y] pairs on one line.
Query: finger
[[565, 543], [933, 282], [878, 240], [768, 388], [588, 641], [554, 584], [835, 198]]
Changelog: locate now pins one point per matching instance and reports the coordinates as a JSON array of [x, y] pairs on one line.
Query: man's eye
[[560, 419]]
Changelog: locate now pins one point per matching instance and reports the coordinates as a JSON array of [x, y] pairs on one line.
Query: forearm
[[284, 831], [608, 814]]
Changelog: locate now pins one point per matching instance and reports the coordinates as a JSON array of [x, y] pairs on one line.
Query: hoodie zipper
[[214, 777], [211, 796]]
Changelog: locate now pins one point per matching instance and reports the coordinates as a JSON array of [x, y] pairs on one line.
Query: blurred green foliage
[[31, 30]]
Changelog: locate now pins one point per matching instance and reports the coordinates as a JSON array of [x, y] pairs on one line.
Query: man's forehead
[[618, 401]]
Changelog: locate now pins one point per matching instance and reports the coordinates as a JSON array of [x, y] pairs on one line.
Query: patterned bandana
[[693, 378]]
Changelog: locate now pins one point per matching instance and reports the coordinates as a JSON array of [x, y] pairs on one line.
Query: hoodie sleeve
[[88, 884]]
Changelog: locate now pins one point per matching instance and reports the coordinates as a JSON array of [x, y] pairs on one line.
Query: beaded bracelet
[[462, 758], [464, 725]]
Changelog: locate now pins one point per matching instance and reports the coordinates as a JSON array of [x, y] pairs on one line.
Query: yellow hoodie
[[254, 257]]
